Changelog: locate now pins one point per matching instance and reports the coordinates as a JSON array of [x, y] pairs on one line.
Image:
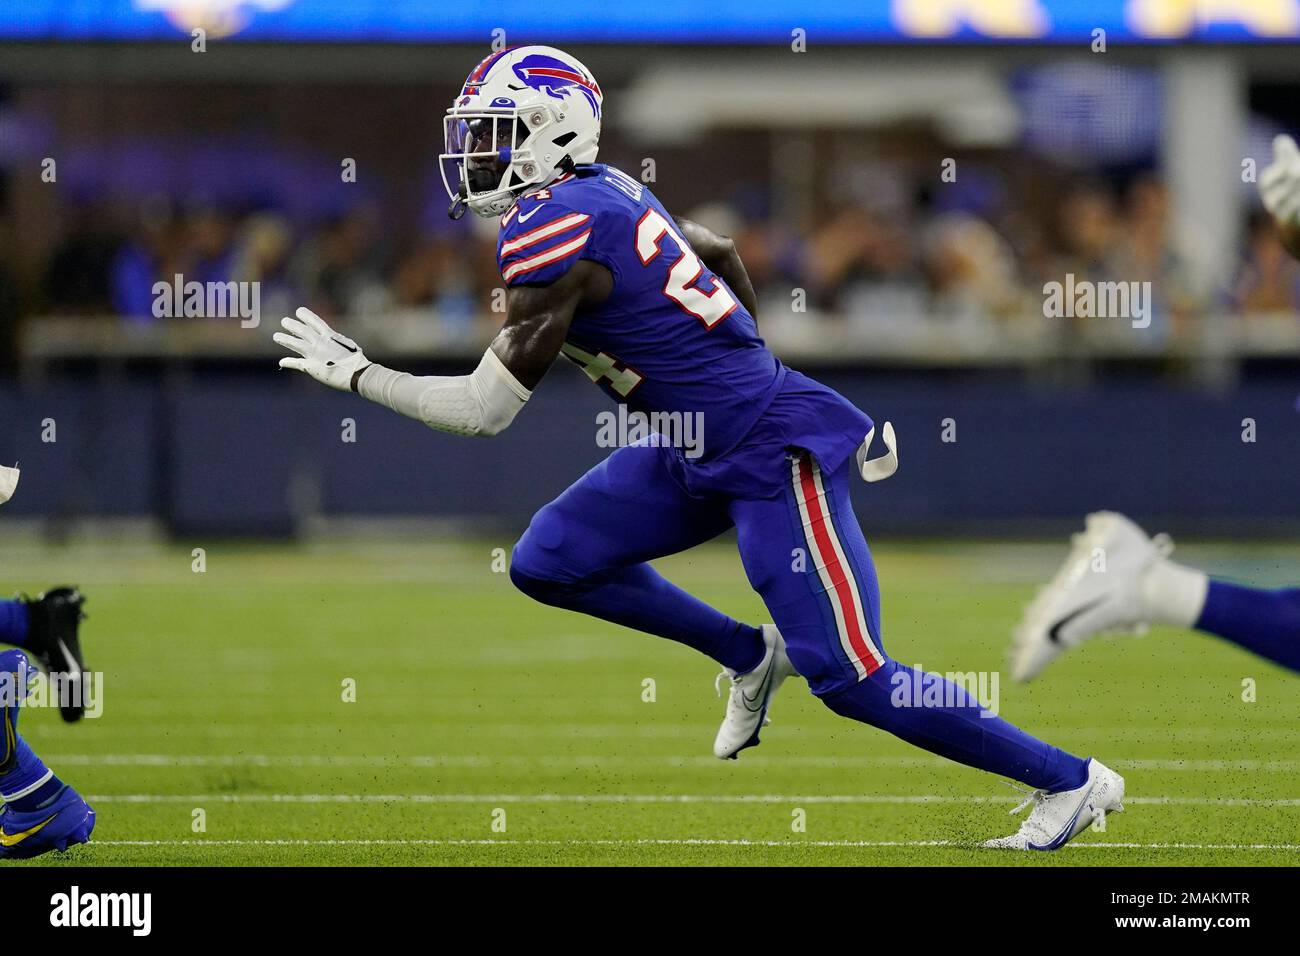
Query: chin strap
[[878, 469], [458, 206]]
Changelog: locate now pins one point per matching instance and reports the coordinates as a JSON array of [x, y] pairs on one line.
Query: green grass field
[[224, 694]]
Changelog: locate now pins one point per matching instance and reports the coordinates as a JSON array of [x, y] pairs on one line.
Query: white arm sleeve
[[481, 403]]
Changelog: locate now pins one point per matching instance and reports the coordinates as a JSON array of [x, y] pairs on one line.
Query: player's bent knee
[[527, 571], [535, 573], [535, 588]]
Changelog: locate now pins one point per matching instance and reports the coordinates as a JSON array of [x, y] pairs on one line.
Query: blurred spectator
[[153, 252], [972, 272], [339, 270], [209, 244], [261, 255], [1269, 279], [77, 280]]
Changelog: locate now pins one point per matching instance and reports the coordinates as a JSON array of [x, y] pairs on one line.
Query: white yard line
[[618, 798], [868, 844], [465, 728], [604, 760]]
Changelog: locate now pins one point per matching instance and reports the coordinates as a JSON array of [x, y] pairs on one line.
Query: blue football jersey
[[671, 336]]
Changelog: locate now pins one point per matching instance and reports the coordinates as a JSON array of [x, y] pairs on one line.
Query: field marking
[[864, 844], [605, 760], [616, 798], [241, 730]]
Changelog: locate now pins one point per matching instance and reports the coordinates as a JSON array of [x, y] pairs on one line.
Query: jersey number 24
[[709, 307]]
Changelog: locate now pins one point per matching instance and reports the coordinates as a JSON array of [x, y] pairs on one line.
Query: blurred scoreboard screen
[[685, 21]]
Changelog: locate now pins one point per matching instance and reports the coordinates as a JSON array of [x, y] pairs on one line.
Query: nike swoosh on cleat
[[762, 690], [1054, 633], [13, 839], [1063, 837]]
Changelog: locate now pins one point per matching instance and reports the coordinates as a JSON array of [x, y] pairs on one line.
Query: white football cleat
[[1098, 589], [751, 693], [1059, 817]]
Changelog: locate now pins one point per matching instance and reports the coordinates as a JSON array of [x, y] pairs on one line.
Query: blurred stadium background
[[919, 295]]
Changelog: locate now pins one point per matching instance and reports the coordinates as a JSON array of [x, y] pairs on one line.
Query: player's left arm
[[484, 402], [720, 255]]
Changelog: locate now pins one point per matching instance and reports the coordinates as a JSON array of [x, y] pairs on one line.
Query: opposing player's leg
[[40, 812], [48, 627], [13, 622], [804, 552], [1118, 579], [587, 551]]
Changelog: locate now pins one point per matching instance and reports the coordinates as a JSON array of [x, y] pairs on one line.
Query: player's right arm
[[720, 255], [1279, 187], [484, 402]]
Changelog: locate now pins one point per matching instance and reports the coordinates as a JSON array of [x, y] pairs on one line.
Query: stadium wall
[[255, 453]]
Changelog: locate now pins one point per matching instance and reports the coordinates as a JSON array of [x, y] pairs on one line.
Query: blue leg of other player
[[13, 623], [1265, 622], [805, 554], [586, 551], [40, 812]]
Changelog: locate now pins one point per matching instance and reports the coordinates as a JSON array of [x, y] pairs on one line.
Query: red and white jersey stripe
[[542, 233], [833, 568], [544, 258]]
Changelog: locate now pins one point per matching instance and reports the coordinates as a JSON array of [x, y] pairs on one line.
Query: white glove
[[1279, 184], [328, 357], [8, 482]]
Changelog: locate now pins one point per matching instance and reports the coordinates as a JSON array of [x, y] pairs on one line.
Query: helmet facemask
[[489, 158]]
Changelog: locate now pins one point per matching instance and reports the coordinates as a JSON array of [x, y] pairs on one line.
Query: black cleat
[[52, 623]]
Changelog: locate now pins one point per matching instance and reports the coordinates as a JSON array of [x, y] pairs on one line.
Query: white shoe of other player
[[1114, 579], [1056, 818], [751, 693]]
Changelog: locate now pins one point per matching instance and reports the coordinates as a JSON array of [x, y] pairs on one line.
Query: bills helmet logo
[[557, 79]]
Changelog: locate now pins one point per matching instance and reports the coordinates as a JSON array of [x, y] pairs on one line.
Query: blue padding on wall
[[242, 454]]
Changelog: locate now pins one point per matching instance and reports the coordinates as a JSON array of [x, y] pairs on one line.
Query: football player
[[1117, 579], [659, 312], [40, 812]]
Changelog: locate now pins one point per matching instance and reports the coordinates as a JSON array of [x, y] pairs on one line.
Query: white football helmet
[[525, 116]]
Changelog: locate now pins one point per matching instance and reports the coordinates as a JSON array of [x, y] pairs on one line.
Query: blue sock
[[24, 778], [1265, 622], [40, 798], [944, 719], [641, 598], [13, 623]]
